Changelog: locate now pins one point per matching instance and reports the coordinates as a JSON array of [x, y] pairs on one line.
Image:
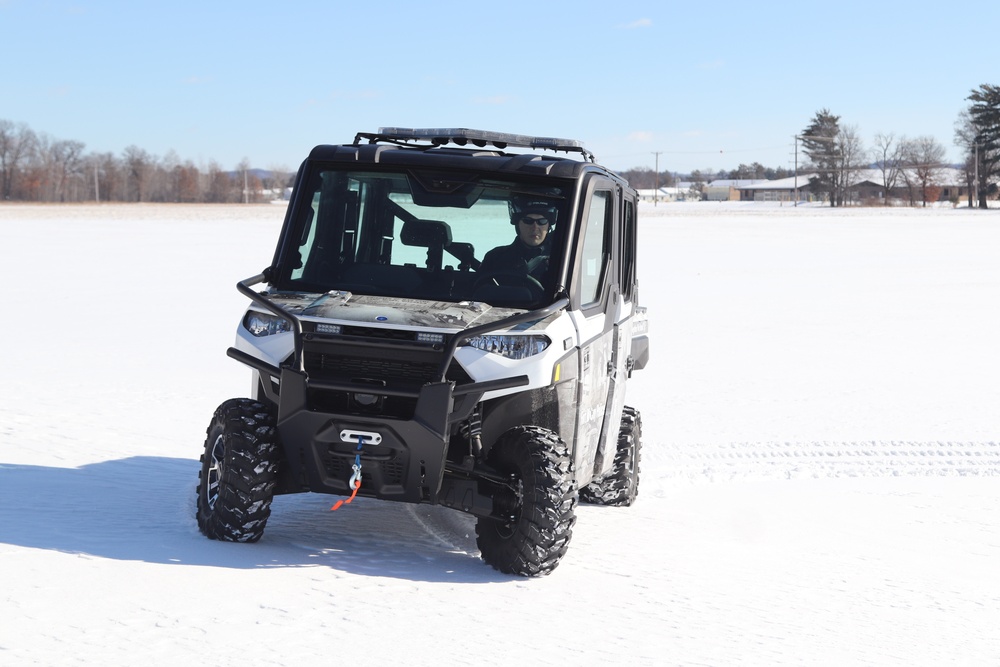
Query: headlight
[[263, 324], [511, 347]]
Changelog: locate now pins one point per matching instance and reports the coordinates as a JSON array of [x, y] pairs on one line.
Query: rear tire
[[538, 507], [239, 470], [620, 485]]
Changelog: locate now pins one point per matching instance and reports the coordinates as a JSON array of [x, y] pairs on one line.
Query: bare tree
[[851, 149], [39, 170], [162, 181], [924, 160], [185, 183], [111, 177], [965, 137], [16, 144], [969, 170], [138, 164], [887, 156], [280, 178], [699, 180], [67, 162], [220, 185]]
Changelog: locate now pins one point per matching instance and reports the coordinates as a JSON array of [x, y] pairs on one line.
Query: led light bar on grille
[[334, 329]]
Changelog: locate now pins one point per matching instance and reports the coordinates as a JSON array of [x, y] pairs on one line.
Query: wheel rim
[[213, 476], [511, 501]]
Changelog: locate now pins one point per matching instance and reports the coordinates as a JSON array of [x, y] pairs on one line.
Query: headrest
[[425, 233]]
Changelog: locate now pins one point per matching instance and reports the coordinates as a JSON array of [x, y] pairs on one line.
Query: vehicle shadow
[[142, 508]]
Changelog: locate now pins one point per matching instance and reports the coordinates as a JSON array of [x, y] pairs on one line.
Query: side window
[[596, 247], [308, 238], [627, 278]]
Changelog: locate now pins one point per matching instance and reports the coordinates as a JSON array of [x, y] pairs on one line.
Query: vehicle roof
[[536, 164]]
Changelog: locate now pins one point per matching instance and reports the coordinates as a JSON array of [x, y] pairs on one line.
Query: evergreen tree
[[984, 115], [819, 143]]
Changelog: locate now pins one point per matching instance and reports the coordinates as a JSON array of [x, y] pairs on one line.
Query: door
[[596, 297], [623, 309]]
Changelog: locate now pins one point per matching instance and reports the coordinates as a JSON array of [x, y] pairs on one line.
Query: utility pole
[[796, 171], [656, 177], [975, 179]]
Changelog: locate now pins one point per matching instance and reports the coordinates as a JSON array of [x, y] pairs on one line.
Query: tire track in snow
[[803, 460]]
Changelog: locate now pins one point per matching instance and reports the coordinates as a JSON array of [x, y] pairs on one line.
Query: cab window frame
[[596, 300]]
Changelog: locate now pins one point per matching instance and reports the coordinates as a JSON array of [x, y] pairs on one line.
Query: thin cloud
[[640, 136], [355, 94], [641, 23], [494, 100]]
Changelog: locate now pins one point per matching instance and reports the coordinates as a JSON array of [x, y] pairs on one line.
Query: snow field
[[819, 473]]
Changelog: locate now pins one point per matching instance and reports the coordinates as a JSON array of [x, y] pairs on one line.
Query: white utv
[[391, 361]]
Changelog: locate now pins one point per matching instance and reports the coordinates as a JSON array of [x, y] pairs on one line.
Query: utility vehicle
[[389, 361]]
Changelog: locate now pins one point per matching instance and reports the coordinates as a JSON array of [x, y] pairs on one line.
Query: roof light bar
[[463, 136]]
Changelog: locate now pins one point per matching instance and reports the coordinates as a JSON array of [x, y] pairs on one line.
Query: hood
[[384, 310]]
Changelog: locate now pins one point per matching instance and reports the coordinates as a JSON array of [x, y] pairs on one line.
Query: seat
[[434, 235]]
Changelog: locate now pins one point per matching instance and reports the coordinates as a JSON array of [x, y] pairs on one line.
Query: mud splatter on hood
[[345, 306]]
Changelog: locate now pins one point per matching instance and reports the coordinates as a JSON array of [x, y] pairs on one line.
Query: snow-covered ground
[[819, 481]]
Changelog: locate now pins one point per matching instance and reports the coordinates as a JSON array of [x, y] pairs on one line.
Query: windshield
[[435, 235]]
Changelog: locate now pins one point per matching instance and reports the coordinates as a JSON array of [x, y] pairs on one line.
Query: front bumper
[[406, 465]]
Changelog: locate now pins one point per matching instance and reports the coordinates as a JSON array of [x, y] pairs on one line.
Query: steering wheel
[[510, 279]]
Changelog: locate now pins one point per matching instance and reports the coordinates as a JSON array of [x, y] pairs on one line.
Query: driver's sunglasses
[[535, 221]]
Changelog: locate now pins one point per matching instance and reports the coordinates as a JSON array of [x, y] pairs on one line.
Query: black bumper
[[407, 463]]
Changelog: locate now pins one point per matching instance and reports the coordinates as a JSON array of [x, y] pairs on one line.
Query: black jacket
[[517, 257]]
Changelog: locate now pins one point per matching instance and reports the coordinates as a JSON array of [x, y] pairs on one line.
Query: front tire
[[620, 486], [239, 470], [537, 508]]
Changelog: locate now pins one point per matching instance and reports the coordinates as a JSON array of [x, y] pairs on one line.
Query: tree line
[[834, 152], [644, 178], [38, 168]]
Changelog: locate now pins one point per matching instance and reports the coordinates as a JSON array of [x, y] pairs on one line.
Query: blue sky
[[706, 85]]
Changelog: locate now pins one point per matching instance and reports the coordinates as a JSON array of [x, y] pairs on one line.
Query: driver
[[530, 250]]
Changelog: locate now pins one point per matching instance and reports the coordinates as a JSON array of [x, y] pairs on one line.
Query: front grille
[[403, 366], [332, 365], [392, 471], [383, 334], [387, 471]]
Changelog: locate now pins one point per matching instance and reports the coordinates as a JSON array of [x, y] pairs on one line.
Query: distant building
[[728, 189], [782, 189], [866, 187], [662, 194]]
